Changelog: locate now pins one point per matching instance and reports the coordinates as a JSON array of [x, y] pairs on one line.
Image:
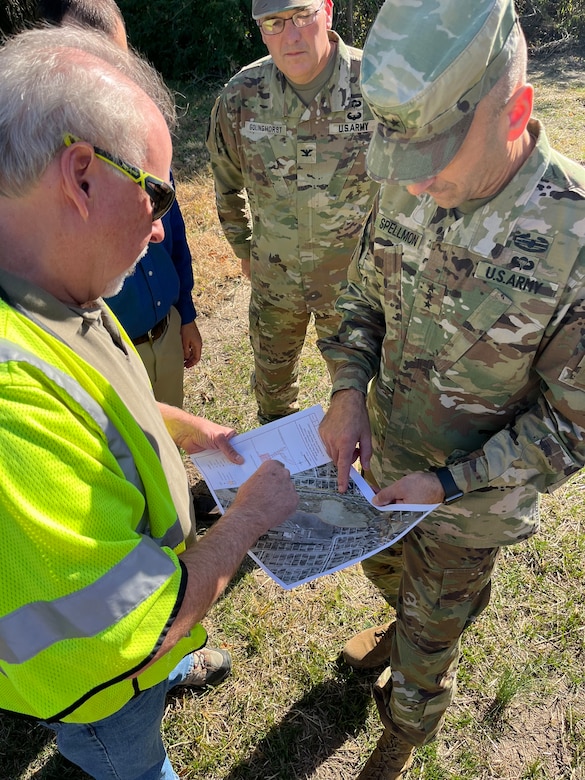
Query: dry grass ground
[[291, 710]]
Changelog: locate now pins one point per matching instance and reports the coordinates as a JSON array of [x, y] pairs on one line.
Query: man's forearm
[[263, 501], [211, 563]]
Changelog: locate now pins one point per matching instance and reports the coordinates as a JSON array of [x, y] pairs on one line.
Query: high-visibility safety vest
[[90, 580]]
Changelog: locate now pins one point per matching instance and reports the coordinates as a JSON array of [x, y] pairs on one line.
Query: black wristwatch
[[452, 491]]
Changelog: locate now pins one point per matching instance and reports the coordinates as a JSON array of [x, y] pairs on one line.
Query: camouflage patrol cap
[[425, 67], [261, 8]]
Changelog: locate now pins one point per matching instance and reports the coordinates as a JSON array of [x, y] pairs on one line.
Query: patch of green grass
[[535, 771], [510, 684], [560, 101]]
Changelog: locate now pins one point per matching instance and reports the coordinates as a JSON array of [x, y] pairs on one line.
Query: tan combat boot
[[369, 648], [391, 759]]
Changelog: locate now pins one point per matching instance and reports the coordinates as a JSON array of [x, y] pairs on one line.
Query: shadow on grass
[[22, 744], [312, 730]]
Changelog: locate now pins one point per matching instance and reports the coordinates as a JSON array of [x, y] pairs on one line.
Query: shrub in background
[[353, 18], [15, 14], [185, 38], [214, 38], [546, 22]]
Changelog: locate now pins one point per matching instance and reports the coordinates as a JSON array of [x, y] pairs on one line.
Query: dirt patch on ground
[[227, 324]]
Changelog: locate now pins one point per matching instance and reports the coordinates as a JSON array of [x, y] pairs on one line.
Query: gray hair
[[71, 80], [513, 77]]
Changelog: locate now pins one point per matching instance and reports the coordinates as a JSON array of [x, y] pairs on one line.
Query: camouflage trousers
[[437, 590], [277, 336]]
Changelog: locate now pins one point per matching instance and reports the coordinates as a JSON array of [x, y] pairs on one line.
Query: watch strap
[[452, 491]]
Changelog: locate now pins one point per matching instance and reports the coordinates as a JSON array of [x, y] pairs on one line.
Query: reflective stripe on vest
[[84, 613], [116, 444], [34, 627]]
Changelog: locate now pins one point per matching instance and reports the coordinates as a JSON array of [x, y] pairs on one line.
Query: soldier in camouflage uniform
[[288, 136], [465, 307]]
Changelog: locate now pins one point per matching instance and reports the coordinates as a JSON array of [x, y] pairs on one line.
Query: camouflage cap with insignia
[[261, 8], [425, 67]]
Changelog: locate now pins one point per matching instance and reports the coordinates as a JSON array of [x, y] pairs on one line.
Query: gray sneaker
[[211, 665]]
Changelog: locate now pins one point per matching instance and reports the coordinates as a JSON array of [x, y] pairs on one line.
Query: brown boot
[[391, 759], [369, 648]]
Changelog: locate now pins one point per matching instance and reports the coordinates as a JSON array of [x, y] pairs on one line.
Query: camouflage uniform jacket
[[302, 170], [475, 332]]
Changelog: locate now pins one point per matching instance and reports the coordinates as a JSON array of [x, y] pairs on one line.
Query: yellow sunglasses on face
[[161, 193]]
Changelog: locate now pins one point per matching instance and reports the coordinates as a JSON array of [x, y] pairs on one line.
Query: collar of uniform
[[341, 91], [471, 230], [510, 202]]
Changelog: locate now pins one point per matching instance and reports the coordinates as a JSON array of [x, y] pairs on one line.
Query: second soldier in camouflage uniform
[[466, 308], [289, 134]]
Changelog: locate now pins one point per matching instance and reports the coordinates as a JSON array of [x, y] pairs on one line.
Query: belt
[[154, 333]]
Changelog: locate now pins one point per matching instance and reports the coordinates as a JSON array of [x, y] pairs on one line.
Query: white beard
[[116, 284]]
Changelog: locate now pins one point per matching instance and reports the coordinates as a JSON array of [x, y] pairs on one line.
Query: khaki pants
[[164, 362]]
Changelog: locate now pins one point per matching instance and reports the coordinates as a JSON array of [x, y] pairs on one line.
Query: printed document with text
[[330, 530]]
